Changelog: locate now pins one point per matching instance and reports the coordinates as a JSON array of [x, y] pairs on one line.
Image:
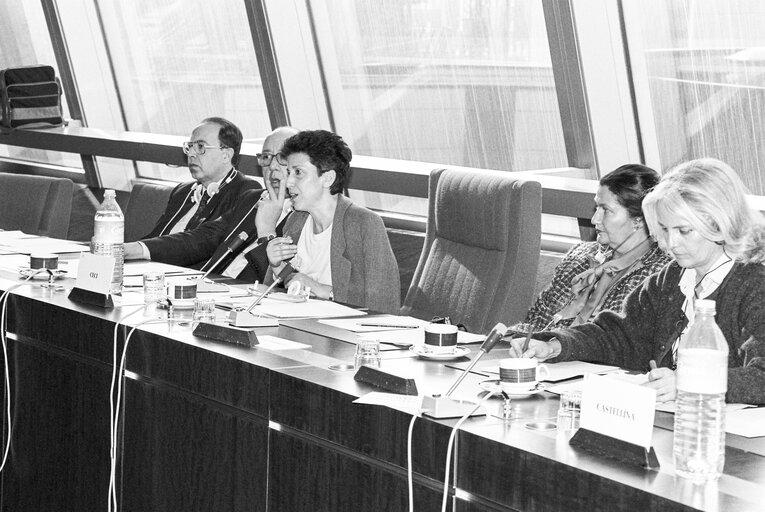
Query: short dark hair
[[229, 135], [326, 150], [630, 183]]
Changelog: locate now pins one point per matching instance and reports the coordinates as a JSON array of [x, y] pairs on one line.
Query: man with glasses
[[259, 216], [212, 154]]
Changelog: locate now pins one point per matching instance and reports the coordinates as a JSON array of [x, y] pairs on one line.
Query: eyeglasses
[[264, 159], [199, 147]]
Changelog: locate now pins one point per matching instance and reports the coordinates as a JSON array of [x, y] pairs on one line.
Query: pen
[[526, 341], [390, 326]]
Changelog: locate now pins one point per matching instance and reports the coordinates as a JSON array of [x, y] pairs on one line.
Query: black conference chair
[[481, 250], [146, 204], [38, 205]]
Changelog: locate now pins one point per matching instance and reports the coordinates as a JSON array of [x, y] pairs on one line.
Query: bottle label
[[109, 231], [701, 370]]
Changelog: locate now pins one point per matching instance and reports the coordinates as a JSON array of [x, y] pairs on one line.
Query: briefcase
[[30, 96]]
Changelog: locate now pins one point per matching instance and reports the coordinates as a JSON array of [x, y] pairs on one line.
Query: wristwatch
[[265, 239]]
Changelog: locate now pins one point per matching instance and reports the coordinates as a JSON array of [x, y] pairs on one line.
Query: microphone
[[231, 248], [287, 271], [438, 406], [491, 340]]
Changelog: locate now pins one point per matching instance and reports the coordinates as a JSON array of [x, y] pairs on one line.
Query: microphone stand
[[438, 406], [244, 317], [235, 244]]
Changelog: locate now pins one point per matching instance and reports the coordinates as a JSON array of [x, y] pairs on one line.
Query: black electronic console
[[226, 333], [101, 300], [386, 381]]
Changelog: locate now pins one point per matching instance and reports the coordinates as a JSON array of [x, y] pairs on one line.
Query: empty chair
[[146, 204], [38, 205], [479, 260]]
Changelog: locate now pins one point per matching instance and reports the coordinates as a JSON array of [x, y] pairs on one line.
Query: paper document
[[745, 421], [311, 308], [376, 323], [137, 268], [276, 343], [558, 371], [406, 403], [42, 245]]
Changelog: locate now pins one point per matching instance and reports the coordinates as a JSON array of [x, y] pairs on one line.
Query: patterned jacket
[[653, 317], [558, 293]]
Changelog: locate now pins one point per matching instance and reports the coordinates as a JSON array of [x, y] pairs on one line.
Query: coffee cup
[[39, 260], [181, 290], [519, 375], [440, 338]]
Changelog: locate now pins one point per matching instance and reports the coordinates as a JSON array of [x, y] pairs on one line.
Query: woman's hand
[[318, 290], [664, 382], [537, 348], [280, 249]]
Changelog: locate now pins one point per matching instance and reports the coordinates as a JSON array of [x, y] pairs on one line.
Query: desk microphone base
[[616, 449], [101, 300], [226, 333], [442, 407], [241, 318]]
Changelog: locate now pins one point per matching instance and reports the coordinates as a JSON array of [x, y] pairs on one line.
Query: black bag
[[30, 96]]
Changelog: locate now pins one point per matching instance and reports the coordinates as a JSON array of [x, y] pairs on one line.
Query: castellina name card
[[618, 409]]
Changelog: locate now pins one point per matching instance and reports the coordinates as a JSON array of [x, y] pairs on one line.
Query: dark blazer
[[203, 247], [193, 248], [180, 203]]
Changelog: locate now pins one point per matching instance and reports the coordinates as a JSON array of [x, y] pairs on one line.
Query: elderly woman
[[597, 276], [699, 212], [340, 250]]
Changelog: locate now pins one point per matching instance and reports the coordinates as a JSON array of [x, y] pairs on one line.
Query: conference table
[[207, 425]]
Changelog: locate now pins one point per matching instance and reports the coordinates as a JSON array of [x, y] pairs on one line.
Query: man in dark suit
[[257, 215], [213, 153]]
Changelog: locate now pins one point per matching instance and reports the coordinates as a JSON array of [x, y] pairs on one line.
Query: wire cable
[[451, 444], [114, 406], [3, 341]]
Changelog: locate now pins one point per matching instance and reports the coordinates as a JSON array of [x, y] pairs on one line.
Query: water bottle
[[109, 236], [702, 380]]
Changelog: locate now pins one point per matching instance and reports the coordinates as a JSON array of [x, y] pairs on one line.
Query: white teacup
[[440, 338], [40, 260], [181, 289], [518, 375]]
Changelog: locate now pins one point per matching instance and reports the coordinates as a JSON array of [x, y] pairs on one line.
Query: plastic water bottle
[[109, 236], [702, 380]]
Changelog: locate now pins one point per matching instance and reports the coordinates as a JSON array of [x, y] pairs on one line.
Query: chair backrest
[[481, 249], [38, 205], [146, 204]]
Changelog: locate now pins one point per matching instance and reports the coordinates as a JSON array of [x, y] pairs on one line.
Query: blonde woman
[[700, 215]]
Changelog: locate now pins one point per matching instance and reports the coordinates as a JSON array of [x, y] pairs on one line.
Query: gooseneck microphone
[[287, 271], [491, 340], [231, 248]]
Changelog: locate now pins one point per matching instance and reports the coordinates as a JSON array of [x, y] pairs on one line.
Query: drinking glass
[[569, 410], [153, 286], [204, 310], [367, 353]]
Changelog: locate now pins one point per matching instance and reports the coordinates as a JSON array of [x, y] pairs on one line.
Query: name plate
[[94, 273], [618, 409]]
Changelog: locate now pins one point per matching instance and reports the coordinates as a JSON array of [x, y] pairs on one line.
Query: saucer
[[422, 352], [43, 275], [177, 303], [493, 386]]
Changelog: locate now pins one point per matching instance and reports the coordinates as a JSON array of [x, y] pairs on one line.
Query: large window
[[702, 63], [458, 82], [24, 41], [174, 63]]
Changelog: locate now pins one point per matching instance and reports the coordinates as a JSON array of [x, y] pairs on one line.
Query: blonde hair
[[709, 195]]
